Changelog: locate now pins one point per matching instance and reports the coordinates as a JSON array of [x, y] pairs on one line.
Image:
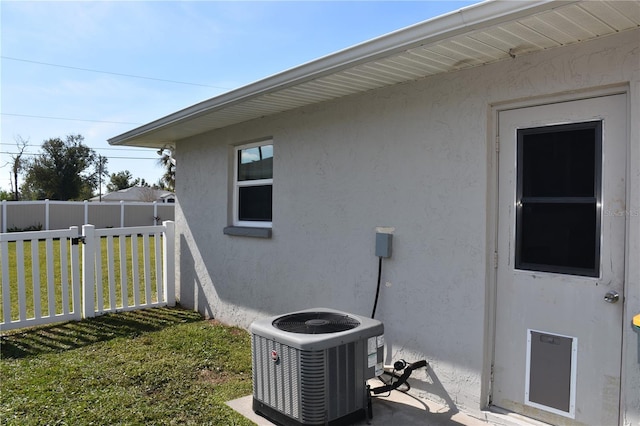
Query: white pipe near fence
[[48, 214], [87, 277]]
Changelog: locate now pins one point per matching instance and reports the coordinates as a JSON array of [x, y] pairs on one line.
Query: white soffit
[[480, 34]]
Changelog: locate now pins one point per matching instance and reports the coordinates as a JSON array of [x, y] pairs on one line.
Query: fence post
[[4, 216], [155, 213], [88, 271], [76, 284], [169, 262], [86, 212], [46, 214]]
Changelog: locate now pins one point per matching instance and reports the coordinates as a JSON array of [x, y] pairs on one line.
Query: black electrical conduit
[[408, 369], [375, 303]]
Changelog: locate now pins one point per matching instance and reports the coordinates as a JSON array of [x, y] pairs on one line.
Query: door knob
[[612, 296]]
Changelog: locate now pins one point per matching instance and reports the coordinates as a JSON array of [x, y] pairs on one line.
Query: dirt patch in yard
[[213, 376]]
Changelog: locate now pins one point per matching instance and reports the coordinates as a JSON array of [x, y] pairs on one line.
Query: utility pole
[[100, 164]]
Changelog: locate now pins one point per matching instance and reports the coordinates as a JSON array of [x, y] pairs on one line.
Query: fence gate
[[44, 268], [47, 277]]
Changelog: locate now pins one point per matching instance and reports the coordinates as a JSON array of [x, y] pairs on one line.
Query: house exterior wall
[[417, 158]]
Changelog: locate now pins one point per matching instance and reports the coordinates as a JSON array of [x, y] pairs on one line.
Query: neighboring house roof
[[166, 196], [476, 35], [137, 193]]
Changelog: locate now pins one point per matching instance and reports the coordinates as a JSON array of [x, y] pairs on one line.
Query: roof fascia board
[[468, 19]]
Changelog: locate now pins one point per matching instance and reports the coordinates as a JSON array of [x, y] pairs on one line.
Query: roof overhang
[[476, 35]]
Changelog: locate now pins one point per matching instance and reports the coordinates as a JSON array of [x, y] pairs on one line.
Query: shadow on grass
[[76, 334]]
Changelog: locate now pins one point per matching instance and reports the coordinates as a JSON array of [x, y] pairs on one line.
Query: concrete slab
[[397, 409]]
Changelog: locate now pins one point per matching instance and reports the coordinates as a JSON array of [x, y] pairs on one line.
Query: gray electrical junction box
[[383, 244]]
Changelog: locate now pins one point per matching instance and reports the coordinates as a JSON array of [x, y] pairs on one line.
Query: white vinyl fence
[[116, 269], [48, 214]]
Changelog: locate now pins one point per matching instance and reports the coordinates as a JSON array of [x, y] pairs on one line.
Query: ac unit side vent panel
[[313, 396], [346, 382], [277, 387]]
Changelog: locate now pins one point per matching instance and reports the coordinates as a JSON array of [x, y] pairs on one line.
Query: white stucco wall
[[417, 157]]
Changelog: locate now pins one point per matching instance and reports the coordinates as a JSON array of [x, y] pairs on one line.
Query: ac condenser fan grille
[[315, 323]]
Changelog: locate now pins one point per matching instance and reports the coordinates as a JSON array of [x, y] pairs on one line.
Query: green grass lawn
[[162, 366]]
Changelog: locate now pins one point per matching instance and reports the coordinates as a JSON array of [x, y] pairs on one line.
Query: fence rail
[[48, 214], [116, 269]]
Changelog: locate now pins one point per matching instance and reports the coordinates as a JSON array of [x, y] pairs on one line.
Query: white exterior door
[[560, 277]]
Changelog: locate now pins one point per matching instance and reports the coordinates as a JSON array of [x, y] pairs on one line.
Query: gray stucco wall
[[416, 157]]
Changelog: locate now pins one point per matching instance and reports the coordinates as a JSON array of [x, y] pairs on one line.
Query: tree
[[63, 171], [124, 180], [120, 180], [17, 166], [168, 179], [101, 171], [5, 195]]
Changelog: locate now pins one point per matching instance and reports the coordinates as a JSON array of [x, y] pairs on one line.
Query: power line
[[115, 157], [126, 149], [111, 73], [101, 149], [132, 158], [68, 119]]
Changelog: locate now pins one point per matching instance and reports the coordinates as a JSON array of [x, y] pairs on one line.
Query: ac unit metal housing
[[310, 367]]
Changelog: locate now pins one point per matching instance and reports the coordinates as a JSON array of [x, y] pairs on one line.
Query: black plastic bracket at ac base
[[282, 419]]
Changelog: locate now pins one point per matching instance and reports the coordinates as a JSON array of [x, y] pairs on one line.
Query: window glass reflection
[[255, 163]]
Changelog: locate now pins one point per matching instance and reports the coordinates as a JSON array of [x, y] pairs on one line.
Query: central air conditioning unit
[[310, 367]]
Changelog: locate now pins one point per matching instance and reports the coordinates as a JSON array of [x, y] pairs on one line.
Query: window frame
[[596, 200], [237, 184]]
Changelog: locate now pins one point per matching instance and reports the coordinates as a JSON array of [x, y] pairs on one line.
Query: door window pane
[[561, 235], [559, 164], [558, 193]]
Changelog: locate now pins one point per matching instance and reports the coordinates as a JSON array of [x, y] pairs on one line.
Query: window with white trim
[[253, 184]]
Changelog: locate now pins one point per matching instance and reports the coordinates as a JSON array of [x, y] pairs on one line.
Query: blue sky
[[51, 51]]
